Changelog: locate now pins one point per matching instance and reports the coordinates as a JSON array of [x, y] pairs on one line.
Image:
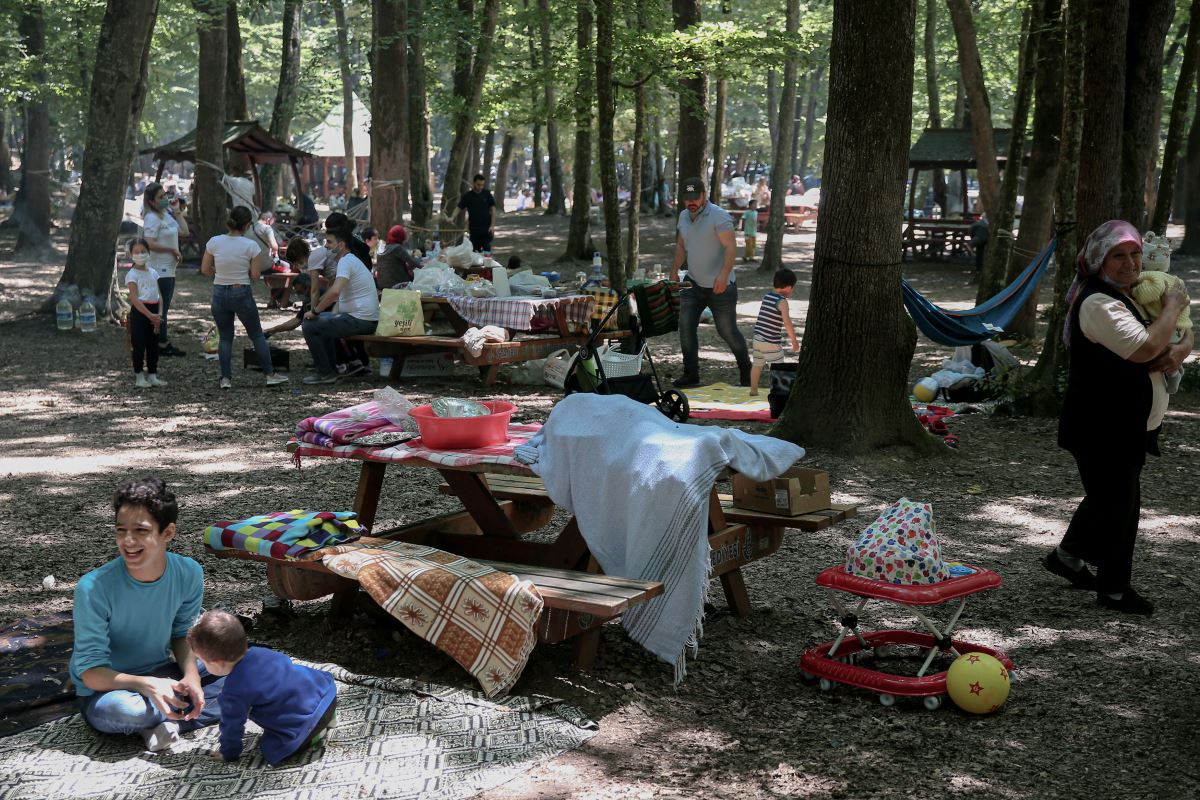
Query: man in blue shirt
[[704, 242], [132, 615]]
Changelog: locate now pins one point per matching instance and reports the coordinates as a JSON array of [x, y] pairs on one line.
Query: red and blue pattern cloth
[[899, 547], [284, 534]]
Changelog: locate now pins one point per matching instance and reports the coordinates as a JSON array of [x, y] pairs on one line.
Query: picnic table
[[935, 238]]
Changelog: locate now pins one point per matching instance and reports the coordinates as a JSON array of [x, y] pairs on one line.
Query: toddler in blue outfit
[[293, 704]]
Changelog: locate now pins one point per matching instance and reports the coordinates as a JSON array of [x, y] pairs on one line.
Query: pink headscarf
[[1099, 244]]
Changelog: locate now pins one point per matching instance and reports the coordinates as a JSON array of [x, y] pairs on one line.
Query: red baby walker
[[840, 661]]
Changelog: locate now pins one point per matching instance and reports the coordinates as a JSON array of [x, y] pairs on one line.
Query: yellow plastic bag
[[400, 313], [212, 341]]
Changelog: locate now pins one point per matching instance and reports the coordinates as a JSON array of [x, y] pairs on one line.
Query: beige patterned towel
[[483, 619]]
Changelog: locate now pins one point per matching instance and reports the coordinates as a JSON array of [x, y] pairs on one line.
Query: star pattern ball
[[978, 683]]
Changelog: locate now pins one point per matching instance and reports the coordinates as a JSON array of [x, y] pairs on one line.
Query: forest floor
[[1104, 705]]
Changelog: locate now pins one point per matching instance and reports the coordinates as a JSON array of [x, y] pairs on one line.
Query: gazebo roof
[[246, 137], [327, 140], [951, 148]]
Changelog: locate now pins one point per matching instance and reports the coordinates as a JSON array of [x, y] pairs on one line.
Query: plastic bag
[[400, 313], [556, 367], [212, 340], [395, 407], [528, 373], [525, 282], [460, 254], [481, 288], [458, 407], [437, 278]]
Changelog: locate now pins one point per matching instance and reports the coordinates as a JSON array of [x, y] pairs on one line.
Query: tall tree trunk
[[501, 186], [390, 160], [1152, 173], [850, 392], [418, 121], [31, 208], [488, 154], [800, 106], [538, 177], [1000, 243], [5, 153], [981, 108], [693, 97], [1098, 196], [211, 205], [816, 89], [1037, 215], [235, 89], [606, 112], [1175, 128], [1145, 40], [579, 237], [535, 97], [637, 160], [284, 107], [934, 95], [343, 53], [117, 97], [558, 194], [465, 121], [773, 107], [1191, 188], [772, 258], [718, 146]]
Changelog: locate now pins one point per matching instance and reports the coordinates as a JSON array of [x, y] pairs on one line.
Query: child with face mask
[[144, 320]]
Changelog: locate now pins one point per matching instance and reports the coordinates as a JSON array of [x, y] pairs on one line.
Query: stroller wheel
[[674, 405]]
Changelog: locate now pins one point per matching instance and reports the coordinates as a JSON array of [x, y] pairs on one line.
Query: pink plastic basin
[[464, 433]]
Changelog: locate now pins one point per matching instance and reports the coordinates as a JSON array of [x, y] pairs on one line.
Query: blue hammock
[[974, 325]]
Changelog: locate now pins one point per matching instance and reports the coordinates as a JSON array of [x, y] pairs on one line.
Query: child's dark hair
[[367, 233], [783, 278], [514, 263], [218, 635], [134, 242], [151, 494], [752, 204], [297, 250]]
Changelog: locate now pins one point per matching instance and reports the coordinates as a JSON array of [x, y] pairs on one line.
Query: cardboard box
[[797, 491], [428, 365]]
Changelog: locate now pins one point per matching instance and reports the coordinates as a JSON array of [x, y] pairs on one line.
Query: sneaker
[[161, 737], [226, 383], [1080, 579], [355, 369], [140, 381], [171, 350], [341, 368], [686, 381], [154, 380], [275, 378], [1130, 602], [313, 380]]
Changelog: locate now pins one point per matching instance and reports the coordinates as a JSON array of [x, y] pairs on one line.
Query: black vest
[[1108, 398]]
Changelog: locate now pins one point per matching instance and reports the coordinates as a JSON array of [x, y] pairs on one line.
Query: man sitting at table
[[357, 311]]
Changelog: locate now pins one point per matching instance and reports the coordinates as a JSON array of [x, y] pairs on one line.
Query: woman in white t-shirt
[[162, 224], [234, 262]]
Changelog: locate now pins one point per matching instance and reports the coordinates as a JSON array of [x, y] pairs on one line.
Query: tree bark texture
[[535, 94], [1175, 127], [977, 98], [1098, 197], [418, 123], [235, 88], [1000, 242], [773, 107], [637, 159], [5, 153], [538, 176], [851, 392], [506, 149], [211, 203], [465, 121], [693, 98], [718, 148], [933, 93], [1037, 214], [815, 91], [1191, 211], [118, 95], [557, 204], [488, 154], [343, 53], [390, 160], [579, 237], [284, 107], [1145, 41], [772, 258], [31, 207], [606, 112]]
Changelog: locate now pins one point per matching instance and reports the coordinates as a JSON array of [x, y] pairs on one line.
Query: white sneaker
[[161, 737], [154, 381], [275, 378], [140, 380], [226, 383]]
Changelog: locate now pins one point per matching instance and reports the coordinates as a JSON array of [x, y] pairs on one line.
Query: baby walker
[[837, 661]]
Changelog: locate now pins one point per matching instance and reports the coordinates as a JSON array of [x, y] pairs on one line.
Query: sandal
[[938, 427], [951, 441]]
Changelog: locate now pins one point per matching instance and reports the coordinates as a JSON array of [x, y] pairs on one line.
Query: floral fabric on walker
[[900, 547]]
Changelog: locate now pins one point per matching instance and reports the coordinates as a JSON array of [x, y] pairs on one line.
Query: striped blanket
[[501, 454], [284, 534], [345, 425]]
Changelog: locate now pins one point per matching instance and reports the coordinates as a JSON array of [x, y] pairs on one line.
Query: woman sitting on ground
[[395, 265]]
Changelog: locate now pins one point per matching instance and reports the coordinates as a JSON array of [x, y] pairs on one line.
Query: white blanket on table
[[638, 485]]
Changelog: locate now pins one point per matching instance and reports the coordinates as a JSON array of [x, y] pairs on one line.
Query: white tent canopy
[[325, 140]]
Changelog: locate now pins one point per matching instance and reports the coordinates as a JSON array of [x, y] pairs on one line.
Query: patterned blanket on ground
[[483, 619], [284, 534], [395, 738], [722, 401]]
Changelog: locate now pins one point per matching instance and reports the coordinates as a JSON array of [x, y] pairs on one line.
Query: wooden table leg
[[366, 500], [488, 374], [477, 499], [735, 592], [584, 648]]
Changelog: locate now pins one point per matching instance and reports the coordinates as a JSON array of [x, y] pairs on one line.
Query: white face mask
[[140, 258]]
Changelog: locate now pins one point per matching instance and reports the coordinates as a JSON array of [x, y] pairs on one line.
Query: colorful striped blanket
[[346, 425], [285, 534]]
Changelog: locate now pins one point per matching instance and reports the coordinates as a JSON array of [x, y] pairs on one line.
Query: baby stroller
[[597, 370]]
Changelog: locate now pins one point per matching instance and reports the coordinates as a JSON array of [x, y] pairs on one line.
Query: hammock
[[975, 325]]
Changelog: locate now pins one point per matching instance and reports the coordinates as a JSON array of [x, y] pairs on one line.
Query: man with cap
[[704, 242]]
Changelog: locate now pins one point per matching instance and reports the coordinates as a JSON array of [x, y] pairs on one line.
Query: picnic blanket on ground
[[523, 313], [595, 448], [518, 434], [284, 534], [35, 685], [395, 738], [722, 401], [482, 618]]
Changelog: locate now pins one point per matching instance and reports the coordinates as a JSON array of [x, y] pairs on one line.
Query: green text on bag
[[400, 313]]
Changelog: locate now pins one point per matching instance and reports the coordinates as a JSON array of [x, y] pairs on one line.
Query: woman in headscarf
[[395, 264], [1113, 410]]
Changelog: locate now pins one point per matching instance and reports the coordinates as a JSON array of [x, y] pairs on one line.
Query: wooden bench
[[489, 361]]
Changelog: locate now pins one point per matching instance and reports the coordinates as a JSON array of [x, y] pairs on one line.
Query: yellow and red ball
[[978, 683]]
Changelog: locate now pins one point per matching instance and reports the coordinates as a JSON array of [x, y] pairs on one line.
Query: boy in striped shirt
[[773, 321]]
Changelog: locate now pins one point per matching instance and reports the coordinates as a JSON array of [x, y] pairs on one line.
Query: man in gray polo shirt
[[704, 242]]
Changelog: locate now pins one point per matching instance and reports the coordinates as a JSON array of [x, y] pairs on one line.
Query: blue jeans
[[322, 334], [166, 288], [231, 301], [126, 712], [693, 300]]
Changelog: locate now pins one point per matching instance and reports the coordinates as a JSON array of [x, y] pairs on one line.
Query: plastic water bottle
[[64, 314], [597, 277], [87, 315]]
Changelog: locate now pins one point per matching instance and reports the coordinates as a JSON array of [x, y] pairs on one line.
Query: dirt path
[[1104, 705]]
